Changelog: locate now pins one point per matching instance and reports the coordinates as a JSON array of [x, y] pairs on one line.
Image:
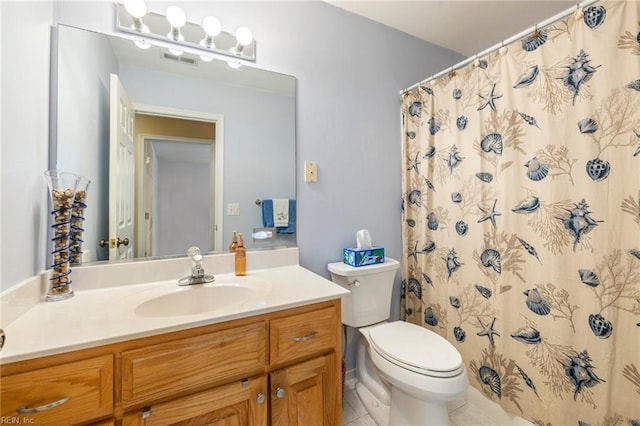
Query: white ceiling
[[467, 27]]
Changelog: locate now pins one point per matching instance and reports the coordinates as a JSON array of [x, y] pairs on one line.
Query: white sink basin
[[201, 298]]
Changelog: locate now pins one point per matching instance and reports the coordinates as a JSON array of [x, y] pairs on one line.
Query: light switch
[[310, 171], [233, 209]]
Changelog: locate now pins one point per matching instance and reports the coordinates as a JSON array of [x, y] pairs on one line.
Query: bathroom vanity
[[271, 360]]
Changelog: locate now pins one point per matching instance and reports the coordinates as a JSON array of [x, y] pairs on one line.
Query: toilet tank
[[370, 291]]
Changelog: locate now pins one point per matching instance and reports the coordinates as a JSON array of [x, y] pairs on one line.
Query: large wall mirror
[[208, 142]]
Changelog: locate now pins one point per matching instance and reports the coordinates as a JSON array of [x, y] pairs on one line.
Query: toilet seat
[[417, 349]]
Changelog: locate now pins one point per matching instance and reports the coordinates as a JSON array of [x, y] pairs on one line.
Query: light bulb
[[142, 44], [176, 16], [244, 36], [206, 58], [234, 65], [136, 8], [176, 52], [211, 26]]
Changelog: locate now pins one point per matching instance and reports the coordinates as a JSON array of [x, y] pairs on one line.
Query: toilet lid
[[416, 348]]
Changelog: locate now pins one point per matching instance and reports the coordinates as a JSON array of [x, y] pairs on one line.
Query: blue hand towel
[[267, 217]]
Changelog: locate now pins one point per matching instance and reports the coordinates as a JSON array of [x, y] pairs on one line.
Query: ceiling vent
[[180, 59]]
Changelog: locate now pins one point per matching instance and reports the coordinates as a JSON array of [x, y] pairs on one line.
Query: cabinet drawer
[[236, 403], [88, 385], [170, 368], [301, 335]]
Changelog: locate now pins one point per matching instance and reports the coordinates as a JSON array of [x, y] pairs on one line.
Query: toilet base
[[407, 410], [378, 411]]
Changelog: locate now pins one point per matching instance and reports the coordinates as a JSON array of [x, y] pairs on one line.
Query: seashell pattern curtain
[[521, 218]]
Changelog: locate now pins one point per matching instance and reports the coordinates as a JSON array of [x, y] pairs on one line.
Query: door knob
[[112, 243]]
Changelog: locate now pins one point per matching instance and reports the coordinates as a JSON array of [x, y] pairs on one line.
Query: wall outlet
[[310, 171], [233, 209]]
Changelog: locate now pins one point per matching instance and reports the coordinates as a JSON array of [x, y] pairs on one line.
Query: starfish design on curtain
[[413, 164], [413, 252], [487, 330], [489, 214], [489, 99]]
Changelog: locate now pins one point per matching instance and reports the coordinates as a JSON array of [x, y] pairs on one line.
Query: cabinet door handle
[[305, 338], [280, 393], [45, 407], [261, 398]]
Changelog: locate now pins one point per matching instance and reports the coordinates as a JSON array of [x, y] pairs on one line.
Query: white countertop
[[99, 316]]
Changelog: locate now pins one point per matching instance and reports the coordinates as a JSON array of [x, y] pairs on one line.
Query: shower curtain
[[521, 218]]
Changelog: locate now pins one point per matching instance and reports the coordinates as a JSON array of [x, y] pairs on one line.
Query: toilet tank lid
[[342, 269]]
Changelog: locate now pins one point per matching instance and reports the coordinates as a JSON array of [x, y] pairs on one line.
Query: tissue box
[[362, 257]]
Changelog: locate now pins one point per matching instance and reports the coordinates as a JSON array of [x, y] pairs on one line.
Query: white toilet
[[405, 373]]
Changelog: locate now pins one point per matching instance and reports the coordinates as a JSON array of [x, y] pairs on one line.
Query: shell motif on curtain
[[521, 218]]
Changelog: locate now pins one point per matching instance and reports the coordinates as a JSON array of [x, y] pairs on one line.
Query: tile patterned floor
[[474, 410]]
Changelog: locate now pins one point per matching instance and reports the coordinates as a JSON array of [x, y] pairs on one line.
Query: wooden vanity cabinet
[[280, 368]]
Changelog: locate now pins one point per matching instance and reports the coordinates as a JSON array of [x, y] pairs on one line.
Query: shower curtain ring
[[536, 31], [502, 49], [579, 13]]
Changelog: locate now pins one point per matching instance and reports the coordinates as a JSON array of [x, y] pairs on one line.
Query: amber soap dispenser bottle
[[241, 257]]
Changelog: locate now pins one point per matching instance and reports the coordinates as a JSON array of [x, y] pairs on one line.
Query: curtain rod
[[509, 40]]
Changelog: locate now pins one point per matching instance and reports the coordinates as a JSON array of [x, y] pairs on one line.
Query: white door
[[121, 173], [148, 196]]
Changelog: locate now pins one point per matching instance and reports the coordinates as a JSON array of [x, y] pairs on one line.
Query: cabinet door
[[72, 393], [308, 393], [241, 403]]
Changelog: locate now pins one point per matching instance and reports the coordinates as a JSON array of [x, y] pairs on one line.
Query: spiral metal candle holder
[[62, 190], [77, 219]]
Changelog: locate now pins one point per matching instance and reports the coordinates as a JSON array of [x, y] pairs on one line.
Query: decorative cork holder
[[62, 190], [77, 219]]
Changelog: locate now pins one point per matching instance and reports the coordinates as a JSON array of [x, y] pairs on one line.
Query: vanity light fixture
[[184, 36]]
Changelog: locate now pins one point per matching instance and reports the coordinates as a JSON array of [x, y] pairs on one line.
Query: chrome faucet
[[198, 276]]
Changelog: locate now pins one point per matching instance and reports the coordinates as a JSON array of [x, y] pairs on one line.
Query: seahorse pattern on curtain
[[521, 218]]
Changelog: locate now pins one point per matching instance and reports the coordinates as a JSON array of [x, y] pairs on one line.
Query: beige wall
[[173, 127]]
